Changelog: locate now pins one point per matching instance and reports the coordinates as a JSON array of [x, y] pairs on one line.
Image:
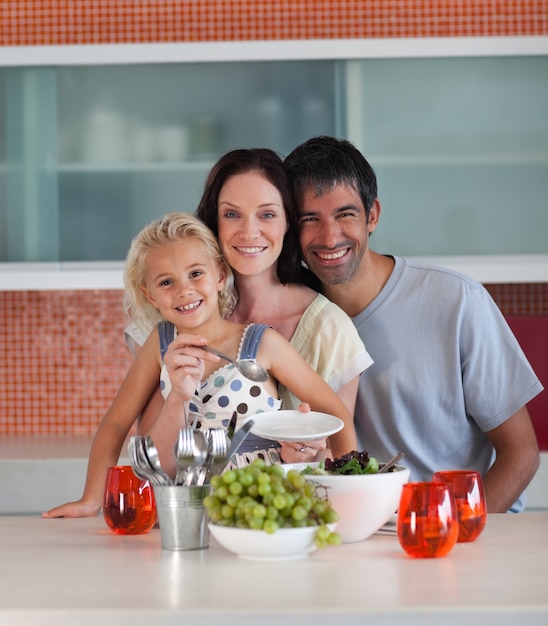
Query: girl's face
[[183, 282], [252, 224]]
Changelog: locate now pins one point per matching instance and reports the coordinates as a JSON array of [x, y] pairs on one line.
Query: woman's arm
[[317, 450], [136, 389], [290, 369]]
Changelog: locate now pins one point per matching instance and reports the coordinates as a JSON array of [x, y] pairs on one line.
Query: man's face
[[333, 233]]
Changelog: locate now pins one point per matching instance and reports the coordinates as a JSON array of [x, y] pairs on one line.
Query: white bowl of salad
[[364, 499]]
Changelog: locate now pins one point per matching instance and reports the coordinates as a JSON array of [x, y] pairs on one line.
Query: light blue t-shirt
[[446, 368]]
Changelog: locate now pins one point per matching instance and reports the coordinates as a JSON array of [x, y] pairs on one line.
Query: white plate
[[295, 426]]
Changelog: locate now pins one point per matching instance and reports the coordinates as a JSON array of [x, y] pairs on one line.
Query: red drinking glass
[[469, 496], [128, 507], [427, 519]]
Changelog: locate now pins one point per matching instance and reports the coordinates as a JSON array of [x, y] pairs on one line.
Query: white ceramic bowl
[[285, 543], [364, 502]]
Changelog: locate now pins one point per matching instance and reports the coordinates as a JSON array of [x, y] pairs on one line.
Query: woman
[[247, 202]]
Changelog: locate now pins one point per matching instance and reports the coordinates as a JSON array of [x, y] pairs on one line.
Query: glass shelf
[[89, 153]]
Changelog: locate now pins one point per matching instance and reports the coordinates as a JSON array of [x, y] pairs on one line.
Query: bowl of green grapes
[[263, 512]]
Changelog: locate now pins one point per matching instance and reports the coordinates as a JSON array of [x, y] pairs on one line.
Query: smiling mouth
[[251, 250], [331, 256], [189, 307]]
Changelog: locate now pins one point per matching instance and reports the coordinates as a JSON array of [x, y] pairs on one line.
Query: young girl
[[176, 278]]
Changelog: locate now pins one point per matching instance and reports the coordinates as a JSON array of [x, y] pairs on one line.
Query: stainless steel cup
[[182, 516]]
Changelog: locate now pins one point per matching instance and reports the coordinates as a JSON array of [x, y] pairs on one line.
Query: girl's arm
[[136, 389], [289, 368], [185, 373]]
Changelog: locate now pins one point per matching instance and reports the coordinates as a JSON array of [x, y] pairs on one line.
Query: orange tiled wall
[[36, 22], [62, 355]]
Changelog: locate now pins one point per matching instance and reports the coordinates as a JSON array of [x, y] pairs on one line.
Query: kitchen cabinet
[[92, 151], [460, 148]]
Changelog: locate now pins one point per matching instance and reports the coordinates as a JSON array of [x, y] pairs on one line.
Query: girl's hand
[[79, 508], [185, 369]]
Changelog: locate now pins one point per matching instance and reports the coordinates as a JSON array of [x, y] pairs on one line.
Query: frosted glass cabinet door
[[460, 148], [95, 152]]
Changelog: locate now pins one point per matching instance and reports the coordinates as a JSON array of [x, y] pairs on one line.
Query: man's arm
[[517, 461]]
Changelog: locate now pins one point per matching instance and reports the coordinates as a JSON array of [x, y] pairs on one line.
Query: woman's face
[[252, 223]]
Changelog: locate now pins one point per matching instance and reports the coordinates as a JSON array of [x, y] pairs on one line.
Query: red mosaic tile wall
[[38, 22], [63, 357]]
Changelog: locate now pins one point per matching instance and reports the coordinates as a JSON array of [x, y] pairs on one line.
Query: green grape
[[256, 523], [330, 516], [323, 533], [272, 513], [211, 501], [235, 487], [216, 481], [229, 476], [320, 507], [305, 502], [270, 526], [264, 489], [276, 470], [298, 513], [233, 499], [278, 488], [215, 514], [279, 501], [221, 492], [334, 539], [263, 478], [253, 490], [259, 510], [245, 478], [227, 511]]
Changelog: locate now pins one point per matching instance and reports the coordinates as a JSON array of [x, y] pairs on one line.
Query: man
[[449, 383]]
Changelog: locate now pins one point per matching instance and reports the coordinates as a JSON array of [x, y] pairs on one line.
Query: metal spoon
[[154, 459], [250, 369], [391, 463], [141, 465]]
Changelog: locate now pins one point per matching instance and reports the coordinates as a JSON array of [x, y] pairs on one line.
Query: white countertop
[[75, 571]]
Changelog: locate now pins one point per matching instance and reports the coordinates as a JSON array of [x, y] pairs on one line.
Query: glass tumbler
[[469, 496], [129, 507], [427, 519]]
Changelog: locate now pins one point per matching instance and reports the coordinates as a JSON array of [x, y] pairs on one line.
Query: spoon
[[151, 453], [391, 463], [248, 368]]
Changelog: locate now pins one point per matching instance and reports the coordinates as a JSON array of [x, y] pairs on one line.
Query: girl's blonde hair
[[172, 228]]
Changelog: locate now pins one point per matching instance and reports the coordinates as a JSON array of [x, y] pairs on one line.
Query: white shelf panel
[[521, 268]]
